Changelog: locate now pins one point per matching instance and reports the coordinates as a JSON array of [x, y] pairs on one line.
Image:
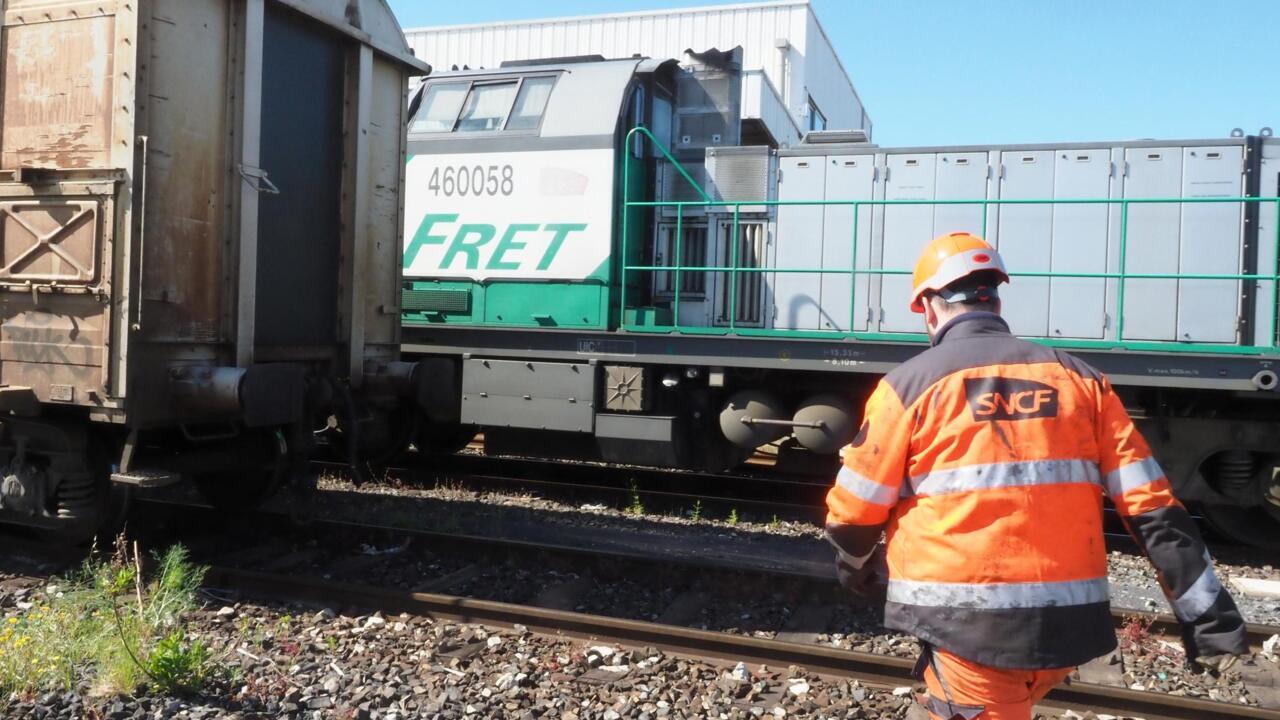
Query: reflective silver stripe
[[1198, 598], [1131, 476], [999, 596], [866, 488], [1011, 474]]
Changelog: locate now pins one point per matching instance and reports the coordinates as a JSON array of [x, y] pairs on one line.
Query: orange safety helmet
[[950, 258]]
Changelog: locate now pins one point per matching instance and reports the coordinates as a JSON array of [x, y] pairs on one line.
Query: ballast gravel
[[303, 663], [1133, 579]]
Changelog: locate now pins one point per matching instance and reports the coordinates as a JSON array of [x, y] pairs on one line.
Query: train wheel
[[1257, 526], [55, 479], [443, 440], [246, 487]]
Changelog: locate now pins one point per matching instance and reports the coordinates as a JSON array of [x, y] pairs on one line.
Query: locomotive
[[599, 259], [200, 208]]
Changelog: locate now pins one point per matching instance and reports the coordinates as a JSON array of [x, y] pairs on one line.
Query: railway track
[[277, 571], [754, 493], [871, 669], [781, 568]]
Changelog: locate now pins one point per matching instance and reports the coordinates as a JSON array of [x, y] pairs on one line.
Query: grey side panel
[[1207, 309], [440, 143], [1267, 243], [907, 229], [646, 428], [799, 244], [536, 395], [1080, 243], [1217, 371], [1025, 236], [302, 134], [848, 178], [1150, 306]]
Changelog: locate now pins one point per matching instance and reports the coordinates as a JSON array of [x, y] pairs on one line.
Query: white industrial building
[[793, 81]]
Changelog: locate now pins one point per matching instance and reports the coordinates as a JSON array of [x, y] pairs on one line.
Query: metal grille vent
[[676, 189], [741, 175], [437, 300], [748, 309]]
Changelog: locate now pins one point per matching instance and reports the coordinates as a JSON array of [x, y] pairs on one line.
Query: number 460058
[[476, 180]]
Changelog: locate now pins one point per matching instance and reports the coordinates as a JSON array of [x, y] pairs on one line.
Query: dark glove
[[1215, 640], [867, 581]]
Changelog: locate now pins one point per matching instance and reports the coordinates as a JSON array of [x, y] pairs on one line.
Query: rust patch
[[58, 79]]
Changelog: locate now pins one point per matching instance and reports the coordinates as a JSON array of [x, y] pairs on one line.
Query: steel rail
[[1161, 622], [881, 670]]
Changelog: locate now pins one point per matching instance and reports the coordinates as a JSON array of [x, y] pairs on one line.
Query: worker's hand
[[869, 580], [1216, 664]]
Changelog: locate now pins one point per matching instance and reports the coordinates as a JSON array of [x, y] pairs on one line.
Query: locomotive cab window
[[439, 109], [531, 103], [487, 107]]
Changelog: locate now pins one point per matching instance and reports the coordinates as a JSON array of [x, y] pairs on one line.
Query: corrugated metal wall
[[811, 67]]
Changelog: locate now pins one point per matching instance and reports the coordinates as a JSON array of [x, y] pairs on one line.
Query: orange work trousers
[[976, 692]]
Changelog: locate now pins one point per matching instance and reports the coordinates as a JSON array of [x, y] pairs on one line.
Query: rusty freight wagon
[[200, 211]]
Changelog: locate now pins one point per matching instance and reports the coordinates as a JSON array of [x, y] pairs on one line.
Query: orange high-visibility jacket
[[985, 460]]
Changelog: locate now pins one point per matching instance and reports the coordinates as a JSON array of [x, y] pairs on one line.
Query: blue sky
[[1002, 71]]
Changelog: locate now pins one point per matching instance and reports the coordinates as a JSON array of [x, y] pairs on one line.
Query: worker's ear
[[931, 313]]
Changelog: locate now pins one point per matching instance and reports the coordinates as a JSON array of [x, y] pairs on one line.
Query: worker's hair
[[970, 285]]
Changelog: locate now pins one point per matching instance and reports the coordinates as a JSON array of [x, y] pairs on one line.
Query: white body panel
[[797, 296], [848, 178], [1068, 237], [552, 221]]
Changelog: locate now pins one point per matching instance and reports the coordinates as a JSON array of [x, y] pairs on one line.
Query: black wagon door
[[299, 232]]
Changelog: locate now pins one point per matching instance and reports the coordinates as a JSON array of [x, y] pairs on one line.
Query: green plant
[[111, 625], [176, 663], [636, 507], [775, 523], [697, 511], [733, 516]]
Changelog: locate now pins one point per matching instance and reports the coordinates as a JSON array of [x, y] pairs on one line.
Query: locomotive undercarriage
[[1219, 448]]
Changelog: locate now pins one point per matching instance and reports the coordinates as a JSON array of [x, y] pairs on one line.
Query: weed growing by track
[[109, 626], [636, 507]]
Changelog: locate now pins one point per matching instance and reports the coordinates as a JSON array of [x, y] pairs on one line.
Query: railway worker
[[986, 458]]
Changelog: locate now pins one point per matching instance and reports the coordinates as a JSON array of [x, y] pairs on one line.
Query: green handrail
[[1121, 276]]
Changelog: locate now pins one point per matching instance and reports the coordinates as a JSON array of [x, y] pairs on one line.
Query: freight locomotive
[[200, 212], [601, 258]]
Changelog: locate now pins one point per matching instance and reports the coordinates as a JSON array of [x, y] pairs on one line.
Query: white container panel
[[848, 178], [1025, 237], [1080, 243], [797, 296], [960, 176], [1268, 219], [1151, 306], [1208, 309], [907, 229]]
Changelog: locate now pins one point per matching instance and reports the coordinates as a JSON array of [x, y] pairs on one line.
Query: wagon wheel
[[443, 440], [86, 504], [1257, 526], [246, 487]]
